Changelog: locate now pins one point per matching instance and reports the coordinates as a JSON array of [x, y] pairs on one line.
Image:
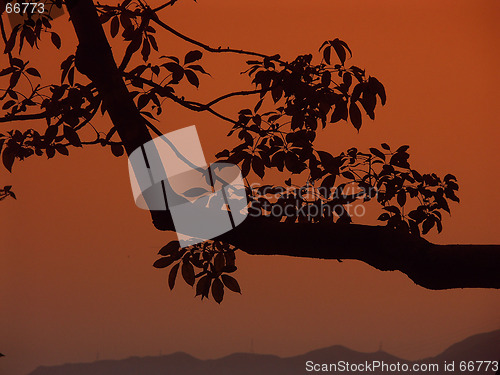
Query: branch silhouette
[[308, 96]]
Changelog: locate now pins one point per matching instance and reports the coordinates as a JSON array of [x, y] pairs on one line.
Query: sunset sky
[[76, 274]]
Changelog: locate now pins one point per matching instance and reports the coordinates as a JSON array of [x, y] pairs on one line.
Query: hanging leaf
[[134, 45], [163, 262], [428, 224], [170, 248], [114, 26], [172, 275], [188, 273], [219, 262], [192, 57], [8, 104], [327, 52], [62, 149], [355, 116], [152, 40], [9, 46], [71, 135], [14, 78], [195, 192], [8, 158], [384, 217], [401, 198], [192, 78], [377, 153], [117, 149], [56, 40], [146, 50], [326, 78], [327, 185], [50, 151], [340, 112], [203, 286], [258, 166], [33, 72], [339, 50], [217, 290], [277, 93], [198, 68], [50, 133], [231, 283], [71, 76]]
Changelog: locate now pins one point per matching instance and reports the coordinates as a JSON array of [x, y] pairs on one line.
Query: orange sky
[[76, 253]]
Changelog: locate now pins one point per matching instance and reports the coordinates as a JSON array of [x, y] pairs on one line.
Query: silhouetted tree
[[301, 96]]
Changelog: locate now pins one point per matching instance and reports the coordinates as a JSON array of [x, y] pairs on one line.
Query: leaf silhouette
[[170, 248], [258, 166], [33, 72], [56, 40], [8, 158], [231, 283], [203, 286], [71, 135], [114, 26], [217, 290], [355, 115], [377, 152], [172, 276], [192, 57], [187, 271], [195, 192], [192, 78], [164, 262], [117, 149]]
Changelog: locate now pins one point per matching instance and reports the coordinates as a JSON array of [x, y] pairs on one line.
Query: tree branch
[[206, 47], [237, 93], [193, 106], [104, 73], [32, 116], [168, 3], [428, 265]]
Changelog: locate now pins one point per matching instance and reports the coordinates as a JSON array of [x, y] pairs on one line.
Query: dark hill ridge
[[484, 346]]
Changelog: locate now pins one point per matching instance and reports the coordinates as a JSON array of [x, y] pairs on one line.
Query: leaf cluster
[[207, 265]]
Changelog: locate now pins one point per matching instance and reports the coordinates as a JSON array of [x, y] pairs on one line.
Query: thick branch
[[428, 265], [104, 73], [431, 266]]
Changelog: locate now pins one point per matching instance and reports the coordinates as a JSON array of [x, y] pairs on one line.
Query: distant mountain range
[[481, 347]]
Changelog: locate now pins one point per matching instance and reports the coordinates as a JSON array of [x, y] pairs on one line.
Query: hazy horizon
[[484, 339]]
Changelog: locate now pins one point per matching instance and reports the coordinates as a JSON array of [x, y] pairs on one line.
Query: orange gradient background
[[75, 253]]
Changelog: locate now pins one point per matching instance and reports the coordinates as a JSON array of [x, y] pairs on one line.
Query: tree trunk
[[95, 60], [431, 266]]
